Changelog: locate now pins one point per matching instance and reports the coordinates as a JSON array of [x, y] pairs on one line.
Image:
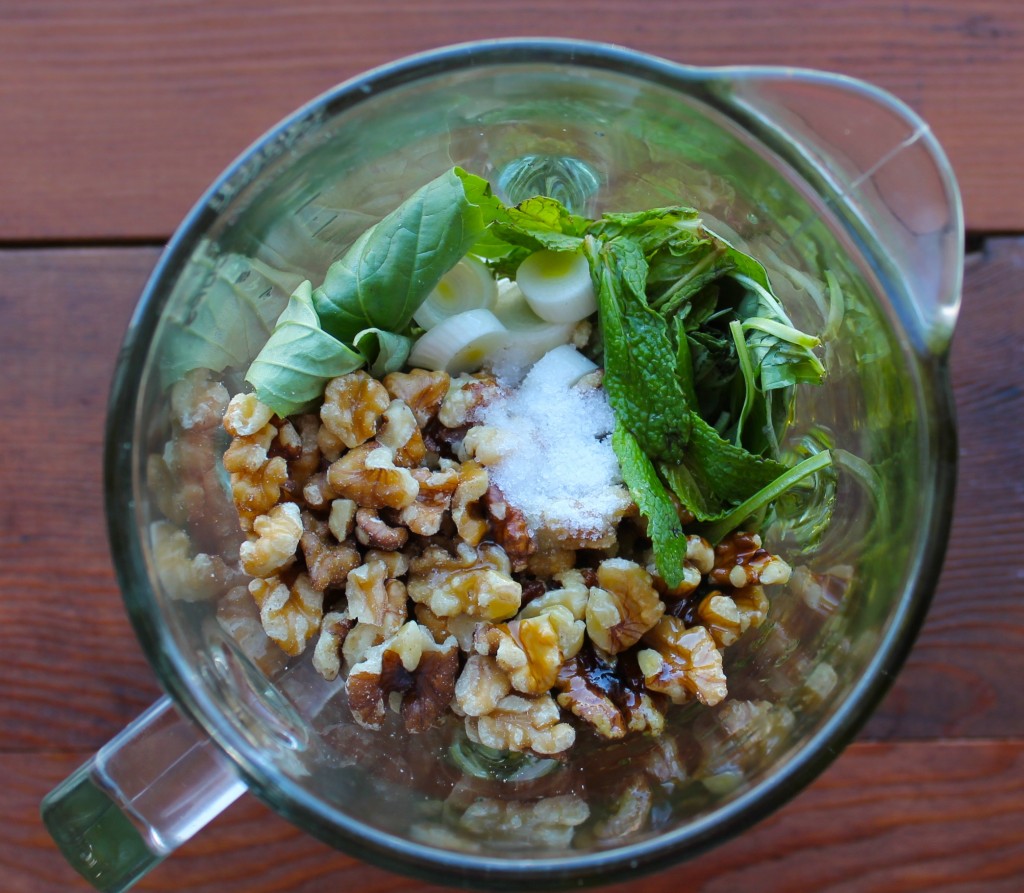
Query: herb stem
[[747, 369], [724, 525]]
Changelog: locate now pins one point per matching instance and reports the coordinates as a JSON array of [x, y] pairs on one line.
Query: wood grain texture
[[78, 674], [886, 818], [116, 114]]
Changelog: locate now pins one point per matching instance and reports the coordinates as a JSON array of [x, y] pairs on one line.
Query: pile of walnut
[[373, 535]]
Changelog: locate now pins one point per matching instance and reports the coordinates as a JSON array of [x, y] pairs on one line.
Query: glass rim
[[331, 824]]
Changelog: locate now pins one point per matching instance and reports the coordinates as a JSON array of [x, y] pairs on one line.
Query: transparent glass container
[[808, 171]]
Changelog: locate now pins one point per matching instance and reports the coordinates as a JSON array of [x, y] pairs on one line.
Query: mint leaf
[[715, 474], [299, 359], [654, 501], [639, 357], [391, 268], [541, 222]]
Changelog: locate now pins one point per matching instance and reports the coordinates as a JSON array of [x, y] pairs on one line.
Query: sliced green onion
[[557, 285], [530, 337], [460, 343], [786, 333], [468, 285]]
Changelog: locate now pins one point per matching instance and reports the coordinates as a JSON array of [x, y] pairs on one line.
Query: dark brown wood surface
[[114, 115]]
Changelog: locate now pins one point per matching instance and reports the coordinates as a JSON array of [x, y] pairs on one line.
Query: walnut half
[[408, 670], [477, 582], [623, 606], [522, 724], [682, 663]]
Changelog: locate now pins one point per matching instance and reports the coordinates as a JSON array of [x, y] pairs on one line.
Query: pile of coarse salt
[[557, 464]]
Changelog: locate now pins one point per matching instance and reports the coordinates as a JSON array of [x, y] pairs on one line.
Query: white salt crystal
[[557, 466]]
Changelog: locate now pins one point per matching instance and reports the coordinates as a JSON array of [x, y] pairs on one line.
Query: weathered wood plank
[[74, 674], [958, 678], [116, 115], [886, 818]]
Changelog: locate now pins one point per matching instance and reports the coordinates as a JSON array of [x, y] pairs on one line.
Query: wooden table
[[114, 115]]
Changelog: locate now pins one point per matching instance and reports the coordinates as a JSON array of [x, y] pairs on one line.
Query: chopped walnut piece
[[522, 724], [413, 666], [247, 453], [741, 561], [477, 582], [184, 576], [258, 493], [509, 528], [198, 401], [531, 651], [819, 684], [342, 520], [700, 553], [480, 687], [548, 823], [368, 476], [752, 604], [360, 639], [373, 531], [687, 585], [291, 616], [374, 599], [397, 563], [465, 397], [317, 493], [278, 533], [162, 481], [245, 415], [352, 406], [327, 653], [623, 606], [239, 617], [610, 697], [720, 616], [487, 444], [550, 562], [303, 451], [822, 593], [468, 510], [327, 560], [751, 732], [682, 663], [573, 596], [461, 626], [256, 479], [422, 391], [629, 813], [400, 434], [425, 515]]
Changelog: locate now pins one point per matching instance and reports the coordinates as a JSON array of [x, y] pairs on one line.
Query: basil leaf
[[391, 268], [384, 351], [299, 359], [654, 501], [639, 359], [223, 310]]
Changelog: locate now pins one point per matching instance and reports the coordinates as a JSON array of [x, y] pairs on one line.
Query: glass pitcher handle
[[895, 187], [143, 794]]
